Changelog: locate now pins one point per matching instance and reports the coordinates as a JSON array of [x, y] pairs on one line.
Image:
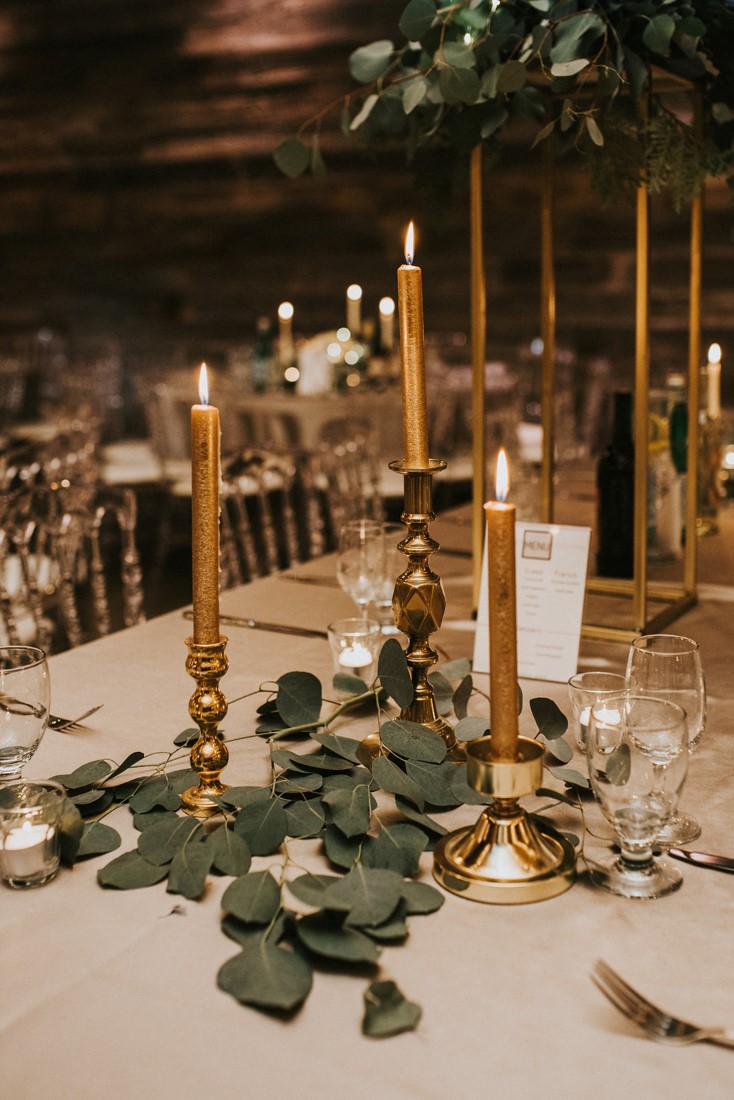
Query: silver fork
[[658, 1024], [61, 724]]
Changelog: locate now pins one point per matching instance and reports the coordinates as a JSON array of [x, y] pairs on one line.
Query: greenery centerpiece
[[587, 71]]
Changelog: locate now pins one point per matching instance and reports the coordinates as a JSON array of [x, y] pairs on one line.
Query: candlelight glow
[[285, 311], [203, 386], [410, 244], [387, 307], [354, 292], [714, 354], [502, 477]]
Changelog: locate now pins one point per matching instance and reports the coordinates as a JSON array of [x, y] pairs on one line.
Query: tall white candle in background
[[714, 378], [387, 323], [354, 309], [285, 333]]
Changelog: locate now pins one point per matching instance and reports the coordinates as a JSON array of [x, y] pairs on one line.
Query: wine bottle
[[616, 495]]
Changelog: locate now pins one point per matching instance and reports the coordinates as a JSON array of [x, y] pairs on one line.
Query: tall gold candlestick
[[500, 518], [410, 310], [205, 516]]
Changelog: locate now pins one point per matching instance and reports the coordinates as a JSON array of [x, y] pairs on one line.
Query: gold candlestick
[[207, 706], [506, 858]]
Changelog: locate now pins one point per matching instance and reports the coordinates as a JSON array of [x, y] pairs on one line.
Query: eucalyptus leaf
[[345, 781], [442, 692], [658, 34], [305, 818], [371, 894], [267, 976], [571, 777], [298, 784], [393, 779], [130, 759], [560, 751], [458, 55], [186, 738], [299, 698], [456, 670], [325, 935], [322, 762], [512, 77], [461, 697], [417, 19], [425, 822], [393, 673], [237, 797], [350, 810], [397, 848], [253, 898], [98, 839], [544, 132], [85, 775], [181, 779], [434, 781], [551, 720], [412, 741], [369, 62], [569, 68], [145, 821], [189, 869], [340, 850], [619, 766], [264, 826], [394, 930], [311, 888], [130, 872], [364, 112], [160, 843], [93, 801], [152, 793], [347, 747], [421, 898], [387, 1012], [459, 85], [71, 830], [468, 729], [230, 853], [292, 157], [250, 935], [415, 92], [594, 132], [349, 684]]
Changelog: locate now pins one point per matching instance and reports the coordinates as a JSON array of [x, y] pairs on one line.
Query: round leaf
[[393, 779], [468, 729], [292, 157], [413, 741], [160, 843], [85, 775], [98, 839], [371, 895], [325, 936], [397, 848], [417, 19], [393, 673], [299, 698], [266, 976], [253, 898], [229, 852], [350, 810], [386, 1011], [305, 818], [264, 826], [369, 62], [189, 869], [130, 872], [421, 898], [311, 888], [551, 720]]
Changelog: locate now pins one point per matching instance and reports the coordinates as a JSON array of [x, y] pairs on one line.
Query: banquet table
[[114, 992]]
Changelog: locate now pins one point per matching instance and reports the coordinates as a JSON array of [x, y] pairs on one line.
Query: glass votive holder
[[30, 837], [587, 688], [355, 644]]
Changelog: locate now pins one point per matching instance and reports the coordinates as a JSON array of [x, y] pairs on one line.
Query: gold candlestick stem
[[506, 858], [207, 706], [418, 600]]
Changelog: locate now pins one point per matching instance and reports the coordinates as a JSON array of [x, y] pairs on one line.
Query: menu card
[[551, 561]]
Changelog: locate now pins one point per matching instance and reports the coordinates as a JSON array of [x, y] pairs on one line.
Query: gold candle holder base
[[207, 706], [506, 858]]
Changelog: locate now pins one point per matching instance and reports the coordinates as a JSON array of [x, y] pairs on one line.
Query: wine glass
[[25, 695], [359, 563], [638, 757], [668, 666], [393, 564]]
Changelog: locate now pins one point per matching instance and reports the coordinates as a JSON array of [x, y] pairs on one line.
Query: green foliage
[[386, 1011]]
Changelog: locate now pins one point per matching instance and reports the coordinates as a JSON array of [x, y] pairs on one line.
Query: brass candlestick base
[[207, 706], [506, 858], [418, 601]]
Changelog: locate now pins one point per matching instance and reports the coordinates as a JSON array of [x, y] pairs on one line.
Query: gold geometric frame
[[678, 598]]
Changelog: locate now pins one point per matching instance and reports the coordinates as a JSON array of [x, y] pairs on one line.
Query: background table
[[114, 993]]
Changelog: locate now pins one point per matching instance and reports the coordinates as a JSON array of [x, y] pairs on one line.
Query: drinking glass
[[359, 563], [668, 666], [587, 688], [393, 564], [25, 693], [638, 757], [30, 818]]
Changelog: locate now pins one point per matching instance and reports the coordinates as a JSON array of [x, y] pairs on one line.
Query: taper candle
[[500, 518], [354, 309], [387, 323], [285, 333], [410, 311], [205, 515], [714, 382]]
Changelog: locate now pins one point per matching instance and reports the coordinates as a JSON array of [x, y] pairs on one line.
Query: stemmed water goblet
[[25, 696], [638, 758], [668, 666], [359, 563]]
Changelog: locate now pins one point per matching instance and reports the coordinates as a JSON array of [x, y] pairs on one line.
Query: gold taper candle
[[500, 518], [205, 515], [410, 310], [714, 382]]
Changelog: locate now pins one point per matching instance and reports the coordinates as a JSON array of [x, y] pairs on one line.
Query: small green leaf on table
[[71, 829], [397, 848], [350, 810], [393, 673], [263, 824], [98, 839], [305, 818], [130, 872], [230, 853], [324, 934], [421, 898], [387, 1012], [189, 870], [299, 698], [267, 976], [371, 895], [412, 741], [85, 775], [160, 843], [253, 898]]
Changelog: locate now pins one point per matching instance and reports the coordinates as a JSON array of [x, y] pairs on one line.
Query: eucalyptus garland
[[584, 70], [287, 921]]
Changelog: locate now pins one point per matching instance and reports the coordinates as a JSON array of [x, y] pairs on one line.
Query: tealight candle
[[356, 657], [387, 323], [205, 477], [26, 850], [410, 312], [354, 309], [500, 517], [714, 382]]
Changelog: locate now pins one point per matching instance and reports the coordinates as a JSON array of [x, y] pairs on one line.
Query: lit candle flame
[[203, 386], [354, 292], [285, 311], [387, 307], [714, 354], [502, 477], [410, 244]]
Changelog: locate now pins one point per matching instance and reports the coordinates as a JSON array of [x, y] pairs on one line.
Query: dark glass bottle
[[262, 356], [616, 495]]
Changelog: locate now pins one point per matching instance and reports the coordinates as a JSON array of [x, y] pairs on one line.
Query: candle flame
[[285, 311], [714, 354], [502, 477], [203, 386], [387, 307], [354, 292], [410, 244]]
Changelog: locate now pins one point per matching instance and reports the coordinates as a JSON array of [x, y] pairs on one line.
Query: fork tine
[[630, 1002], [613, 978]]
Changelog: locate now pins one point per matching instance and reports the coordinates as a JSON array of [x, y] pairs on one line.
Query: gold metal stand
[[506, 858], [207, 706], [418, 601]]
